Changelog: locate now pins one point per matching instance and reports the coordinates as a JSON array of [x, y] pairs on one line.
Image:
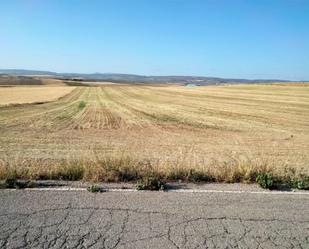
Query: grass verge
[[147, 176]]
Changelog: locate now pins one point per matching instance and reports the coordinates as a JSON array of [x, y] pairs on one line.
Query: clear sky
[[231, 38]]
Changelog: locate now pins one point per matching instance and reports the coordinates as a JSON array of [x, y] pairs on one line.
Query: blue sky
[[232, 38]]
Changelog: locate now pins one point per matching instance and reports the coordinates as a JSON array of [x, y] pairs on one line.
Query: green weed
[[265, 180]]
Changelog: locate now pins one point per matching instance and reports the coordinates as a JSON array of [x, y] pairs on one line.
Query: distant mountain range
[[132, 78]]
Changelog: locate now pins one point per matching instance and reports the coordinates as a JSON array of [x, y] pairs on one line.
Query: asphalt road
[[79, 219]]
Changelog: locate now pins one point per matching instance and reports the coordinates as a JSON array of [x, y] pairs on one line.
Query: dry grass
[[32, 94], [124, 132]]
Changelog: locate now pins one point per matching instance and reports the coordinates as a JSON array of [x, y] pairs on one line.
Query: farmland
[[122, 132], [33, 94]]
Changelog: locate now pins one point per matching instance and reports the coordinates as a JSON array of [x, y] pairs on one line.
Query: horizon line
[[149, 75]]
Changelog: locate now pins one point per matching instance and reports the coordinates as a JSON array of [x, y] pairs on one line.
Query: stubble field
[[32, 94], [123, 132]]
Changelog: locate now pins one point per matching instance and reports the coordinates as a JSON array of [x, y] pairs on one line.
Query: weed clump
[[150, 183], [81, 105], [300, 183], [94, 189], [265, 180]]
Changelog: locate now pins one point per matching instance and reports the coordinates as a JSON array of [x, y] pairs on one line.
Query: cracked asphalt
[[79, 219]]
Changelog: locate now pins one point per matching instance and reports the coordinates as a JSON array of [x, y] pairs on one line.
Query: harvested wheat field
[[32, 94], [123, 132]]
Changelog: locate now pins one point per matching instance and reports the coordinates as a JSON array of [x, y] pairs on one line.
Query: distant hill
[[22, 72], [132, 78]]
